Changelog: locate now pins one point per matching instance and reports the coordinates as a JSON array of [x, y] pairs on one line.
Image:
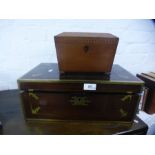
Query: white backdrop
[[26, 43]]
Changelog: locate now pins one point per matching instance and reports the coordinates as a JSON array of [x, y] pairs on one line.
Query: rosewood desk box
[[45, 95]]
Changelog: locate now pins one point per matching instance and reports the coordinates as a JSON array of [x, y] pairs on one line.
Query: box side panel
[[79, 106]]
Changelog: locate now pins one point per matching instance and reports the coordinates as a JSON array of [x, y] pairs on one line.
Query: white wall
[[26, 43]]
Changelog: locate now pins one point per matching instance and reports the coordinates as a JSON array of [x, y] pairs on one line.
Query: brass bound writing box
[[46, 96]]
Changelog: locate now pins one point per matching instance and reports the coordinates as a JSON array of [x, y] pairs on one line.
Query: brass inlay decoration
[[126, 97], [35, 110], [34, 96], [123, 113], [79, 101], [57, 80]]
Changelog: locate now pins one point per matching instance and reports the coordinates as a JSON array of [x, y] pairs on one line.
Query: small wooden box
[[85, 52], [46, 96]]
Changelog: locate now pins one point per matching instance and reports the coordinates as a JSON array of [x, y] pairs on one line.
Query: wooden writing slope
[[47, 96]]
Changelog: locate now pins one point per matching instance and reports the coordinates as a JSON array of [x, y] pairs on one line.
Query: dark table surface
[[12, 118]]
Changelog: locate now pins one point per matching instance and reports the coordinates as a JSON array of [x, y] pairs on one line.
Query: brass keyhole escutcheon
[[86, 48], [79, 101]]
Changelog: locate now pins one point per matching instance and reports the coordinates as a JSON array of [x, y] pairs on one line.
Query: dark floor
[[11, 114]]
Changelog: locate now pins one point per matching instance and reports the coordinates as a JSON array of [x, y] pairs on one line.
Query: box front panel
[[79, 106], [82, 57]]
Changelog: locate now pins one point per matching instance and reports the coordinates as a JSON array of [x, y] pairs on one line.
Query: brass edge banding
[[81, 81], [84, 121]]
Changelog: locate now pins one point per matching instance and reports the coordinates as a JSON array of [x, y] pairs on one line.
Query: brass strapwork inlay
[[126, 98], [79, 101], [123, 113], [35, 110], [34, 96]]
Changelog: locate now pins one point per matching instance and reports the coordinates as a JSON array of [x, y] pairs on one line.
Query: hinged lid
[[85, 37]]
